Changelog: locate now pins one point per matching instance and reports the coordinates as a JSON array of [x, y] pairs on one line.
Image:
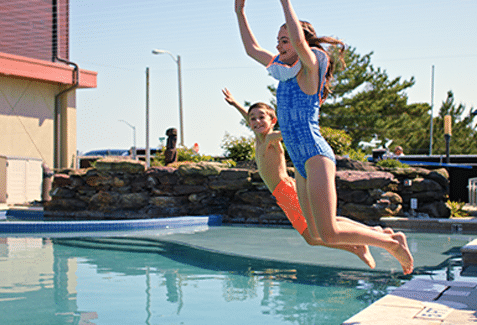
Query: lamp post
[[134, 137], [179, 77]]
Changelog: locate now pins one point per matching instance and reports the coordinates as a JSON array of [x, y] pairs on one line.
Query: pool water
[[57, 282]]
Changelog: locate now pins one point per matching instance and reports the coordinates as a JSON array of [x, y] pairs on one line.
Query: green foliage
[[464, 134], [229, 162], [358, 154], [183, 154], [457, 209], [391, 163], [238, 148], [337, 139]]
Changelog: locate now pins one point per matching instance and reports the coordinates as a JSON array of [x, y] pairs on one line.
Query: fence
[[472, 191]]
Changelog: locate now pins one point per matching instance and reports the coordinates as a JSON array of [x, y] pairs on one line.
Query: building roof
[[52, 72]]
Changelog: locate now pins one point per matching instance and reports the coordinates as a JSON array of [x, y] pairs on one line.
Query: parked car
[[141, 152], [108, 152]]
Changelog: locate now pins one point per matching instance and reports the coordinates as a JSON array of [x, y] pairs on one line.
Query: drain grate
[[433, 313]]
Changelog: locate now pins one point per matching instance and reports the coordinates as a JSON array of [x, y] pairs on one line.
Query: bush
[[238, 148], [391, 163], [339, 140], [183, 154], [457, 209], [358, 155]]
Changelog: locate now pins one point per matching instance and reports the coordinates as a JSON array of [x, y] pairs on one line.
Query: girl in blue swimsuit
[[304, 70]]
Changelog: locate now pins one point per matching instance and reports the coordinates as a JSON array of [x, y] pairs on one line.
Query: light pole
[[179, 77], [134, 137]]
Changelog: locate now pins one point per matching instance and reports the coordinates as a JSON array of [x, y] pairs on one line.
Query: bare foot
[[386, 230], [401, 253], [362, 251]]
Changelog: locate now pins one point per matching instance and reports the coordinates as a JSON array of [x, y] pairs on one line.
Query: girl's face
[[285, 48], [260, 121]]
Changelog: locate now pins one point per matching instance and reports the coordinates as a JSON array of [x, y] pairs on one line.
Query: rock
[[436, 209], [189, 189], [234, 173], [354, 196], [60, 180], [343, 163], [244, 212], [168, 201], [231, 184], [426, 196], [440, 176], [104, 201], [424, 185], [366, 213], [394, 198], [202, 168], [197, 197], [98, 179], [133, 200], [258, 198], [361, 180], [62, 192], [65, 205], [120, 165]]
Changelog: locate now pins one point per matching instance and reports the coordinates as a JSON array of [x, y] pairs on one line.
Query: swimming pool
[[236, 276]]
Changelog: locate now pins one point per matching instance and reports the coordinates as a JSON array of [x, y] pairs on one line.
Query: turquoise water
[[57, 282]]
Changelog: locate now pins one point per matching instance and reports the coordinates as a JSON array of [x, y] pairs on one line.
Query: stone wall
[[124, 189]]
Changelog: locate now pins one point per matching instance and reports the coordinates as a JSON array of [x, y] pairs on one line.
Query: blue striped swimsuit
[[298, 114]]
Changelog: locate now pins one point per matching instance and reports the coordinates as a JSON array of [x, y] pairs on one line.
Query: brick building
[[38, 83]]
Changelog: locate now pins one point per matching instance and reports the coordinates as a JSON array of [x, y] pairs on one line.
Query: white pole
[[432, 110], [148, 157], [181, 118]]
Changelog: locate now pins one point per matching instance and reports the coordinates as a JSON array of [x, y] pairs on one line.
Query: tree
[[464, 135], [366, 102]]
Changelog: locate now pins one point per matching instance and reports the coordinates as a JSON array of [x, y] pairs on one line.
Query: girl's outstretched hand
[[239, 5]]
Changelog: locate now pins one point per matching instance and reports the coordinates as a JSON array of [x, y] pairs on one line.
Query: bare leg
[[362, 251], [317, 195]]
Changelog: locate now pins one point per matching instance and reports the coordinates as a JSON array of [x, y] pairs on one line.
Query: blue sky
[[115, 38]]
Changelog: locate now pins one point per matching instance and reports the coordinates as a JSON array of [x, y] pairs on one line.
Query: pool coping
[[423, 302]]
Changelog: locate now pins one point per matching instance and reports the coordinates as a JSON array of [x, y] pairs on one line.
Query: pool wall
[[27, 222]]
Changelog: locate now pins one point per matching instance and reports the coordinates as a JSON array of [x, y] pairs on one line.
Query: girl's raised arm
[[248, 39], [297, 37]]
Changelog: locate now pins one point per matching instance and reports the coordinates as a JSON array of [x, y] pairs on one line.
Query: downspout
[[57, 129]]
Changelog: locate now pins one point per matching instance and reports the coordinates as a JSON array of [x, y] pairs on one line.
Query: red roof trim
[[53, 72]]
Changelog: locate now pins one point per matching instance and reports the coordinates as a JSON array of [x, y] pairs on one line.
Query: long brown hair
[[315, 41]]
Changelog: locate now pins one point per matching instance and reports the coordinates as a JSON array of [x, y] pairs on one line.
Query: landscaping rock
[[124, 189]]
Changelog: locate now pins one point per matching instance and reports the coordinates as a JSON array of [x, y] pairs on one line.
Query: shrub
[[358, 155], [183, 154], [339, 140], [391, 163], [238, 148], [457, 209]]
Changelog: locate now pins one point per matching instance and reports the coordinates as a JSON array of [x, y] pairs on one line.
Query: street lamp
[[134, 137], [179, 76]]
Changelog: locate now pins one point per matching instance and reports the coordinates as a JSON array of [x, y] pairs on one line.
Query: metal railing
[[472, 191]]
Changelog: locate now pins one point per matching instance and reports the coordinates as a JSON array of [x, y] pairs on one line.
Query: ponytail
[[314, 41]]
